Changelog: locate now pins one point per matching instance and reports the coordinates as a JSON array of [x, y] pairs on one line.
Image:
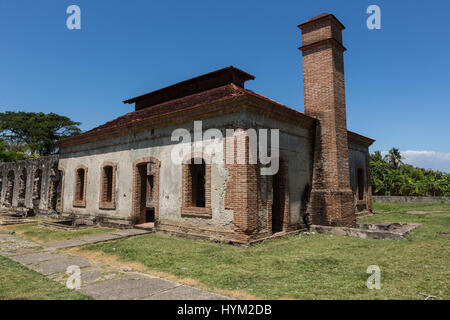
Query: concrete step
[[145, 226]]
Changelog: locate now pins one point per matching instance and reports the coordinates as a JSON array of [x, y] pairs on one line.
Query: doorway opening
[[146, 192], [360, 183], [278, 202], [149, 215]]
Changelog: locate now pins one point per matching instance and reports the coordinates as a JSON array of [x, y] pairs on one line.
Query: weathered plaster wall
[[296, 152], [128, 149], [156, 142]]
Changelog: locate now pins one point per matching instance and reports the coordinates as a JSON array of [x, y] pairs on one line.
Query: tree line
[[25, 135], [391, 177]]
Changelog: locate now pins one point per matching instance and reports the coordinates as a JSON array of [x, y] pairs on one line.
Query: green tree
[[394, 158], [376, 157], [37, 131], [7, 155], [390, 176], [378, 172]]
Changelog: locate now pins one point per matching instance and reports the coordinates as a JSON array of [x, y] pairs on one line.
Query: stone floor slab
[[99, 280], [130, 232], [90, 276], [99, 238], [59, 265], [65, 244], [37, 257], [185, 293], [17, 252], [129, 288]]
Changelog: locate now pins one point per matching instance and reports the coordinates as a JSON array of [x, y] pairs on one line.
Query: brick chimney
[[332, 200]]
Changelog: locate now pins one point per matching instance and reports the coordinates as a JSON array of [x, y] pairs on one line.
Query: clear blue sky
[[397, 78]]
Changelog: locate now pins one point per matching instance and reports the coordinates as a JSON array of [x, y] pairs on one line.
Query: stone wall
[[31, 186], [388, 199]]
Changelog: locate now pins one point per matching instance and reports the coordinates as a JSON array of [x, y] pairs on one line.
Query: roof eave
[[358, 138], [274, 109]]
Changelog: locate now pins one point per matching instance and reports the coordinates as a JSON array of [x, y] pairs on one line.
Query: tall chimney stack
[[332, 200]]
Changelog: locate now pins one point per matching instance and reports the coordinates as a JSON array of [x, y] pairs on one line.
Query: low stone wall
[[388, 199], [385, 230]]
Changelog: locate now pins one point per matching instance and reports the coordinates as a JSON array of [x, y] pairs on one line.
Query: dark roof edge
[[246, 76], [358, 138], [104, 133], [321, 17]]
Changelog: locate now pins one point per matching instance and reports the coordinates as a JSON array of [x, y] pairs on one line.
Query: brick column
[[242, 190], [331, 201]]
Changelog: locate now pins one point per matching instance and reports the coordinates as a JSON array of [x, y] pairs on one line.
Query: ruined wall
[[359, 159], [31, 185]]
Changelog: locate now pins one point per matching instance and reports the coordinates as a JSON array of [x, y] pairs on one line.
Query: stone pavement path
[[99, 280], [102, 237]]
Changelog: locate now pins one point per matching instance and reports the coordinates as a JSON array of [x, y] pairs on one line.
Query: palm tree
[[394, 158]]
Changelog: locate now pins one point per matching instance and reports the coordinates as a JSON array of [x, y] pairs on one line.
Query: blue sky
[[397, 78]]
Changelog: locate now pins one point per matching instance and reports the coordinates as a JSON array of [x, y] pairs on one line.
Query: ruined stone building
[[122, 173]]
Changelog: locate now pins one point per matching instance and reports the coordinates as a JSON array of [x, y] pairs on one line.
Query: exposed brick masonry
[[324, 94]]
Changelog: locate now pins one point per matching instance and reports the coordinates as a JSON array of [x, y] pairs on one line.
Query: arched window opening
[[37, 183], [53, 186], [22, 187], [9, 188]]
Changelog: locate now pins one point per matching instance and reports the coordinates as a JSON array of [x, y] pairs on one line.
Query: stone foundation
[[386, 230]]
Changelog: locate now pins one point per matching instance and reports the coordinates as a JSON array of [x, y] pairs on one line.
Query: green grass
[[40, 234], [19, 282], [310, 266]]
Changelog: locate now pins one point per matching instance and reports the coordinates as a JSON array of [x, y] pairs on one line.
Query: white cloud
[[426, 159]]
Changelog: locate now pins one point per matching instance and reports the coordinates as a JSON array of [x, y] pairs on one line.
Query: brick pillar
[[242, 189], [332, 201]]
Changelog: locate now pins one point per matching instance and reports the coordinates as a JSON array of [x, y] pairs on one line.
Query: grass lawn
[[306, 266], [33, 231], [19, 282]]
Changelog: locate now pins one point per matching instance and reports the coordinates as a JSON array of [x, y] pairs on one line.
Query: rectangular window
[[196, 189]]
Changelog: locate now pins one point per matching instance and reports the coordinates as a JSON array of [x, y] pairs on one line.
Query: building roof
[[232, 88], [217, 94], [192, 86]]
